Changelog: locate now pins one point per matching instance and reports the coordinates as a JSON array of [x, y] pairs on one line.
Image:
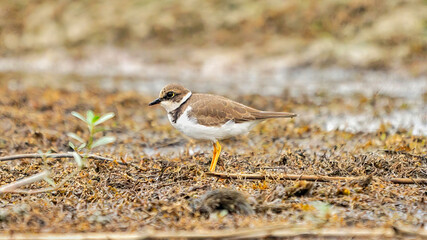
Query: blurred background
[[288, 48]]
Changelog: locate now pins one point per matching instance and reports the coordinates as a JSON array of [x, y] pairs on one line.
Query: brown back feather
[[213, 110], [265, 115]]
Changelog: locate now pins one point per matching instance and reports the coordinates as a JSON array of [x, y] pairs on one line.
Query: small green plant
[[92, 121]]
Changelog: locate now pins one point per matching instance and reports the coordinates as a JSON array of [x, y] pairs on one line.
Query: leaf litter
[[165, 186]]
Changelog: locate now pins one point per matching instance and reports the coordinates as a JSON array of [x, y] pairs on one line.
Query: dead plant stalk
[[54, 155], [315, 178]]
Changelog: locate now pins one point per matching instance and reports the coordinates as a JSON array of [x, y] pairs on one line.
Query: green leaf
[[81, 146], [78, 115], [98, 129], [104, 118], [103, 141], [72, 145], [74, 136], [95, 118], [90, 116], [78, 160]]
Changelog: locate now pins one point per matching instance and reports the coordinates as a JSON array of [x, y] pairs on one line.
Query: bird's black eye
[[170, 94]]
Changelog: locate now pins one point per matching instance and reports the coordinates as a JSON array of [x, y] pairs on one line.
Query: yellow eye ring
[[170, 94]]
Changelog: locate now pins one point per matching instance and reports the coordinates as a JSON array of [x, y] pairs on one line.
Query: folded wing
[[222, 110]]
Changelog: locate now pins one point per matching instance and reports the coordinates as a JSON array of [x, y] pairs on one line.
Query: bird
[[210, 117]]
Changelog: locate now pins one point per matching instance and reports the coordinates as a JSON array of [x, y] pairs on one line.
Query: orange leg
[[213, 157], [216, 152]]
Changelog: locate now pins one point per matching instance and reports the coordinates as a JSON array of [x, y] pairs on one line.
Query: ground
[[354, 73], [165, 174]]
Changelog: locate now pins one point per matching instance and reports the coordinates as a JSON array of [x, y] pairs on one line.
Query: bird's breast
[[190, 127]]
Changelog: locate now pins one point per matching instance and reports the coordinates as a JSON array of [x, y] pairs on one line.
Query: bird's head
[[172, 96]]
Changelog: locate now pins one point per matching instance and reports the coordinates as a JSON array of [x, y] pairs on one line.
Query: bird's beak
[[157, 101]]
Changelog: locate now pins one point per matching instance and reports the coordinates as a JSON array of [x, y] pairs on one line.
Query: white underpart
[[170, 106], [191, 128]]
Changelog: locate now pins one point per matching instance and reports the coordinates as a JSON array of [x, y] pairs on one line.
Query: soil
[[163, 186], [358, 85]]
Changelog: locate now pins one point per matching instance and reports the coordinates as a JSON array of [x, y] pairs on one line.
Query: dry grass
[[159, 190]]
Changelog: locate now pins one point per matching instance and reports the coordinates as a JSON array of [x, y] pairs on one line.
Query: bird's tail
[[266, 114]]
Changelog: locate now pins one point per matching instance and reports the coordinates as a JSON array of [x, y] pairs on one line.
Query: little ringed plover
[[210, 117]]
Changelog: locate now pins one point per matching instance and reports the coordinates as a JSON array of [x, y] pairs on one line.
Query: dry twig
[[315, 178], [15, 185], [55, 155]]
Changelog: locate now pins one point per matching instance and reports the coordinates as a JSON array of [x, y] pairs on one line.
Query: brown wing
[[212, 110], [265, 115]]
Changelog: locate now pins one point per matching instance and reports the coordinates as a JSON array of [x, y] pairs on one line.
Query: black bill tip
[[157, 101]]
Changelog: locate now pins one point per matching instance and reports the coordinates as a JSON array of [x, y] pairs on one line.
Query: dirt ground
[[354, 73], [163, 185]]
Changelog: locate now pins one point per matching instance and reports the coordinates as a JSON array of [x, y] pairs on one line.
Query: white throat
[[170, 106]]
